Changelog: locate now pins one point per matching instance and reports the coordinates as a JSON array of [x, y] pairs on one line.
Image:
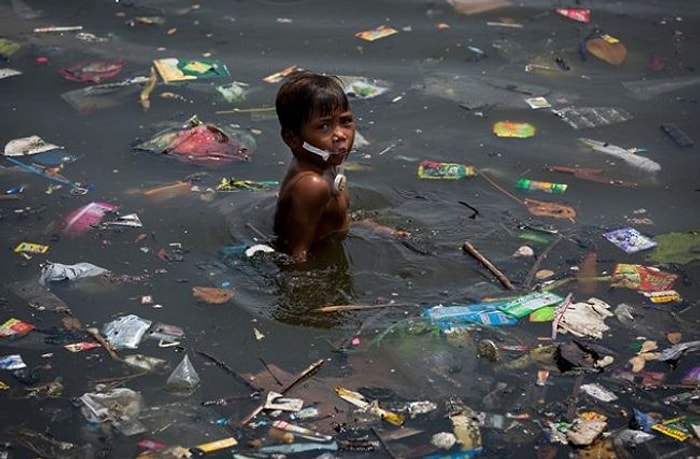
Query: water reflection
[[325, 279]]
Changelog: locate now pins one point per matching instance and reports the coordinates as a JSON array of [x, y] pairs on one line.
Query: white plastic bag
[[126, 331], [586, 319], [53, 272], [184, 377]]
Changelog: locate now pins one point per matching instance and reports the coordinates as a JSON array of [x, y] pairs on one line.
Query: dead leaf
[[543, 274], [212, 295], [637, 362], [477, 6], [258, 334], [588, 269], [648, 346], [72, 323], [614, 53], [599, 450], [674, 337], [549, 209]]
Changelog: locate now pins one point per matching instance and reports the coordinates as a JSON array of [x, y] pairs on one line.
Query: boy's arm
[[310, 198]]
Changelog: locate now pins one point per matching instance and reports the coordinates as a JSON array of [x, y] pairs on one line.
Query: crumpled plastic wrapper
[[586, 319], [120, 406], [584, 431], [52, 272], [443, 440]]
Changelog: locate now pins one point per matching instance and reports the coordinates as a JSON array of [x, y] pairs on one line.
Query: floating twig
[[95, 333], [538, 261], [307, 372], [473, 209], [537, 208], [469, 248], [229, 370], [269, 370], [118, 379], [259, 233], [359, 307]]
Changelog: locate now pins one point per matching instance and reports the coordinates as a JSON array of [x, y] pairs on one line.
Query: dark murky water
[[431, 72]]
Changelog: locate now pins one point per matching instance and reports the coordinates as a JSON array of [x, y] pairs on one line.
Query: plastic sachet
[[586, 319], [53, 272], [126, 332], [119, 406], [184, 378]]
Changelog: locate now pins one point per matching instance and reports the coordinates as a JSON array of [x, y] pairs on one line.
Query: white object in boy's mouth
[[317, 151]]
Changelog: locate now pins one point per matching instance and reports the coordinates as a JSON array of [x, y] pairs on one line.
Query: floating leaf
[[681, 248], [608, 49], [549, 209], [212, 295], [637, 363]]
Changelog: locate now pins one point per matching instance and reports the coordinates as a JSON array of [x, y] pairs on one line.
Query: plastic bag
[[126, 331], [52, 272], [111, 405], [184, 377], [120, 407], [586, 319]]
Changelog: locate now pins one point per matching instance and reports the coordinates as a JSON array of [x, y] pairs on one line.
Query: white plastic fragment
[[443, 440], [583, 432], [52, 272], [252, 250], [599, 392], [586, 319], [28, 146], [524, 252]]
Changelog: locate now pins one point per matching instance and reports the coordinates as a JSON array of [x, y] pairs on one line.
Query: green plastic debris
[[8, 47], [676, 247]]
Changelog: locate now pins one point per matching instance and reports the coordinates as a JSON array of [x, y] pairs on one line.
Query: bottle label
[[548, 187], [437, 170]]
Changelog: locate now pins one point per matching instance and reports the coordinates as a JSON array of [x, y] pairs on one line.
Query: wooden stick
[[360, 307], [229, 370], [117, 379], [469, 248], [103, 342], [538, 261], [308, 371], [260, 234]]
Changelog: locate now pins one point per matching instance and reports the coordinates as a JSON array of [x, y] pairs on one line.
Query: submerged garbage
[[200, 143], [571, 332]]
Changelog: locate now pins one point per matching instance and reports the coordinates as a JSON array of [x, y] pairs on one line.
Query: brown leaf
[[212, 295], [648, 346], [549, 209], [587, 270], [477, 6], [637, 362], [600, 450], [612, 53], [674, 337], [72, 323]]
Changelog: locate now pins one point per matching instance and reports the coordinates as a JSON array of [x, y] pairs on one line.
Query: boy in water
[[319, 129]]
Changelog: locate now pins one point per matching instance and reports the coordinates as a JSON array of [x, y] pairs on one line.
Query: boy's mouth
[[325, 154]]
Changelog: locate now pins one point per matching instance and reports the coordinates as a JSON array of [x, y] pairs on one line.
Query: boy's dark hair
[[304, 94]]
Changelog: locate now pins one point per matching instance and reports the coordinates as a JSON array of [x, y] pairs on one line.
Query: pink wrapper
[[84, 218]]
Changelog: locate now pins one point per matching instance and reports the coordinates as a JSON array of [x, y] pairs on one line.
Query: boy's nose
[[339, 134]]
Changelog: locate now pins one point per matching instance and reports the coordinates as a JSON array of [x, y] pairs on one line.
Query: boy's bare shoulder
[[306, 184]]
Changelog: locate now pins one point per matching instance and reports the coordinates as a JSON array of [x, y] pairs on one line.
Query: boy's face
[[334, 133]]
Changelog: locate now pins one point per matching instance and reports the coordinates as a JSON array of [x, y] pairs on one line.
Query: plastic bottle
[[437, 170], [527, 184]]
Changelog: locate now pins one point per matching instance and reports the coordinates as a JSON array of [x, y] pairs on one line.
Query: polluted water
[[537, 298]]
